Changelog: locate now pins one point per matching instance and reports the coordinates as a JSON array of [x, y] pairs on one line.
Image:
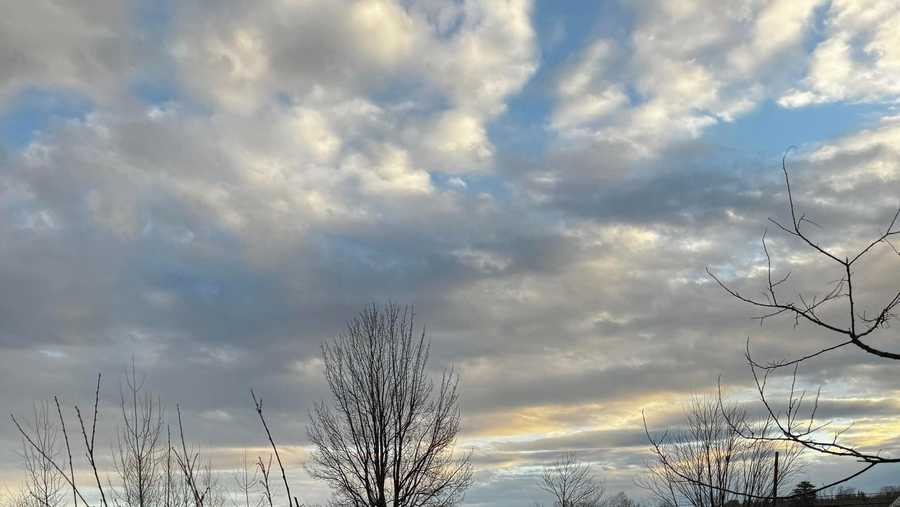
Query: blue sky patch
[[770, 129], [34, 109]]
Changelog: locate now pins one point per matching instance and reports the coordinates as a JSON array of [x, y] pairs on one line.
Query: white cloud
[[586, 92], [231, 67], [487, 58], [688, 65], [388, 170], [861, 156], [457, 142], [858, 60], [431, 75], [241, 56]]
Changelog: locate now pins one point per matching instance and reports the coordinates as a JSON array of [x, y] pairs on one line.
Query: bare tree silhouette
[[146, 473], [796, 422], [138, 456], [247, 481], [709, 462], [43, 486], [572, 483], [265, 469], [389, 437], [292, 500]]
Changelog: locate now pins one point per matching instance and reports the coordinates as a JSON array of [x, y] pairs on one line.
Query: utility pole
[[775, 482]]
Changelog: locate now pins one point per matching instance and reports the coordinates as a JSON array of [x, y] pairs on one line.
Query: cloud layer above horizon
[[214, 188]]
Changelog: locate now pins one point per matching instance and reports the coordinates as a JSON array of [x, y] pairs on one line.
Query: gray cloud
[[220, 235]]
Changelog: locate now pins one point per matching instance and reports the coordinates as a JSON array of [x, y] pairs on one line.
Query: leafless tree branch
[[257, 403], [796, 423]]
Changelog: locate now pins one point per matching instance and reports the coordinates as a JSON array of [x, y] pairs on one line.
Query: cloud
[[83, 46], [857, 60], [683, 68], [478, 54], [211, 260], [314, 157]]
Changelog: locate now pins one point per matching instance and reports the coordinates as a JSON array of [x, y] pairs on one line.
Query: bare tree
[[257, 404], [709, 462], [173, 490], [620, 500], [265, 469], [572, 483], [44, 450], [247, 481], [147, 472], [17, 498], [138, 454], [90, 444], [44, 486], [196, 473], [836, 312], [389, 437]]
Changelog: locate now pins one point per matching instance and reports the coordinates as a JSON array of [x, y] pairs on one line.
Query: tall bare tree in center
[[388, 438]]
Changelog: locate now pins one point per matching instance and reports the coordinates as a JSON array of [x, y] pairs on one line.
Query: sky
[[214, 188]]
